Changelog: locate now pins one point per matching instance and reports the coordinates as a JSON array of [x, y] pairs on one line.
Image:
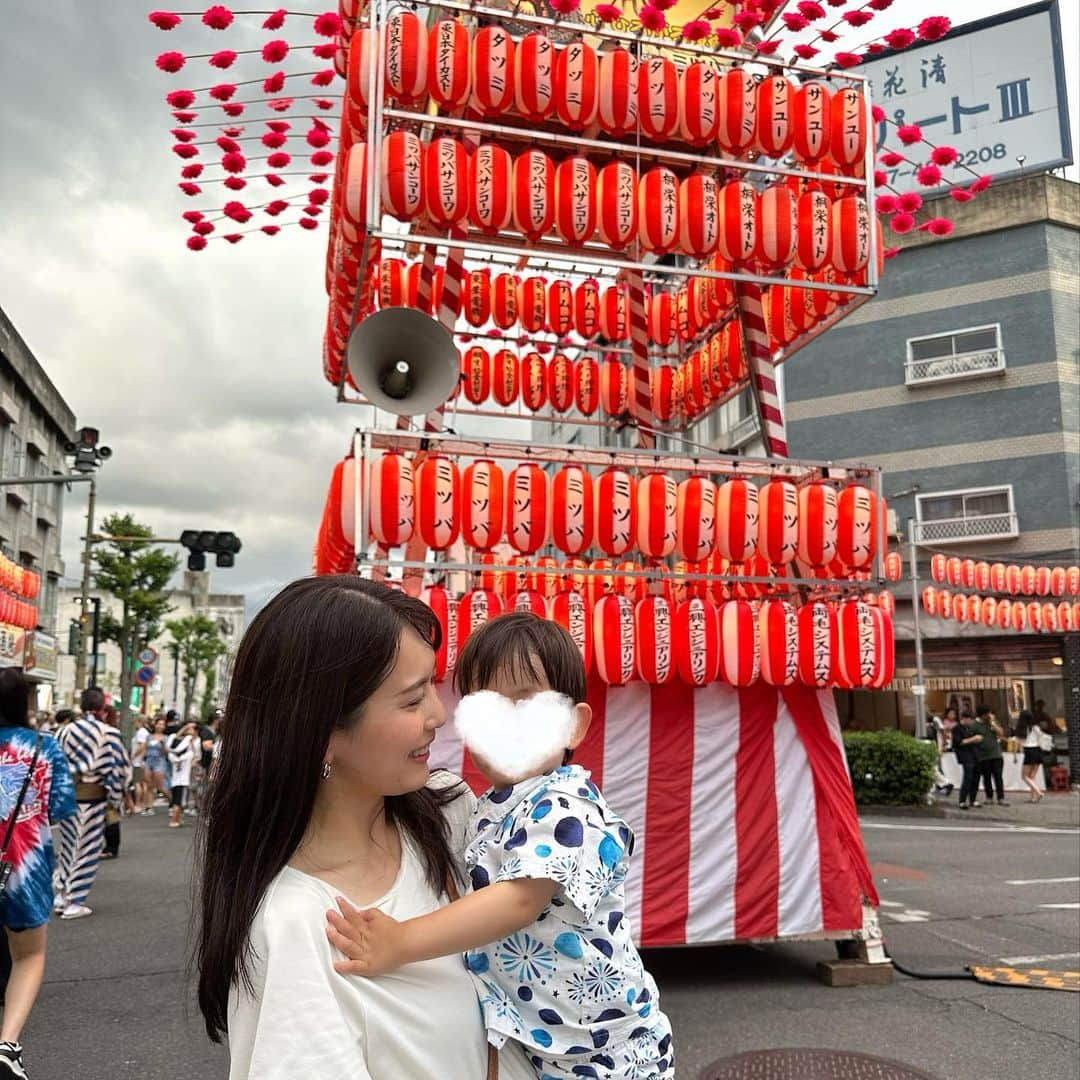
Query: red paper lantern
[[695, 518], [814, 230], [930, 600], [570, 611], [738, 221], [534, 77], [358, 79], [1072, 581], [740, 655], [529, 601], [654, 633], [576, 86], [858, 647], [989, 611], [476, 369], [967, 573], [1065, 617], [1003, 617], [1042, 581], [954, 569], [850, 234], [492, 71], [697, 388], [1035, 616], [406, 57], [483, 509], [560, 307], [586, 386], [938, 568], [811, 122], [1019, 614], [778, 642], [661, 311], [856, 538], [627, 583], [817, 648], [847, 134], [600, 583], [737, 516], [445, 609], [699, 104], [490, 188], [618, 102], [982, 576], [658, 210], [657, 502], [945, 603], [697, 641], [777, 229], [528, 522], [560, 383], [884, 648], [532, 305], [1012, 579], [546, 580], [575, 201], [615, 313], [737, 125], [587, 308], [505, 377], [391, 508], [775, 116], [474, 609], [446, 182], [504, 301], [617, 206], [960, 608], [392, 287], [517, 580], [533, 381], [663, 393], [438, 502], [572, 504], [616, 512], [817, 516], [1027, 580], [533, 204], [477, 306], [403, 175], [894, 566], [614, 387], [778, 527], [449, 77], [1057, 581], [699, 215], [658, 97]]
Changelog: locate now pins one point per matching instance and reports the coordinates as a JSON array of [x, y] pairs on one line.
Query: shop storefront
[[41, 662]]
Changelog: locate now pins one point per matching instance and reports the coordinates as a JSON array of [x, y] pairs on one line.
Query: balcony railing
[[962, 530], [961, 366], [742, 431]]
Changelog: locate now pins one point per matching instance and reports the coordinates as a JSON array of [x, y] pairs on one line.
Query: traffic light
[[222, 545], [73, 637]]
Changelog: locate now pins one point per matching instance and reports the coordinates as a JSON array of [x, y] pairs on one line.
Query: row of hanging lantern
[[738, 642], [1005, 578], [19, 580], [614, 93], [1003, 613], [16, 612], [618, 513]]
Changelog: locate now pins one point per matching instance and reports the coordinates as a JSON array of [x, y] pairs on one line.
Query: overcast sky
[[202, 371]]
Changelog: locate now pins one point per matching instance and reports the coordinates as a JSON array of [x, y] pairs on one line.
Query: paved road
[[114, 1005]]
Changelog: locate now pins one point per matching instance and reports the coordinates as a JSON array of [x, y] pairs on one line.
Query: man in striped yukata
[[100, 765]]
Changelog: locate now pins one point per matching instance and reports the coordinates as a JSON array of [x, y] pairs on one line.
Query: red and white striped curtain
[[741, 803]]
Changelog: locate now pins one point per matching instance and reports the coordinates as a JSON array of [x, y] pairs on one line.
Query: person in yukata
[[544, 929]]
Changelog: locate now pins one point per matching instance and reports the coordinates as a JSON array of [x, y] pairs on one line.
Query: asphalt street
[[115, 1005]]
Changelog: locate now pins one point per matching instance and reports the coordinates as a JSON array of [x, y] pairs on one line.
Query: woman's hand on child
[[370, 941]]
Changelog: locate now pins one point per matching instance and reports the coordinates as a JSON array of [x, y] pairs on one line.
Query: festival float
[[614, 216]]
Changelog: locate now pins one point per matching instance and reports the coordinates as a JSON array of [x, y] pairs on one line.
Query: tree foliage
[[197, 644]]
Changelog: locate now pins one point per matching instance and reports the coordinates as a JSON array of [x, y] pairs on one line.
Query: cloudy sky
[[202, 370]]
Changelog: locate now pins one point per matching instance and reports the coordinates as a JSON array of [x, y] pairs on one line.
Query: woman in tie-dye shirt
[[27, 899]]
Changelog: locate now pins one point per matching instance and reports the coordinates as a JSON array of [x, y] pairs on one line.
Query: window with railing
[[733, 424], [961, 354], [972, 514]]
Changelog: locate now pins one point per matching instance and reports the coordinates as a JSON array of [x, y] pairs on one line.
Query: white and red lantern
[[737, 515], [778, 642], [657, 503], [392, 499], [814, 228], [616, 511], [1042, 581], [587, 308], [616, 206], [989, 611], [930, 600], [737, 112], [847, 134], [504, 301], [777, 228], [614, 648], [967, 573], [697, 641], [658, 210], [560, 383], [998, 576], [614, 387], [857, 654], [738, 221], [699, 215], [1028, 577], [954, 570], [587, 385], [573, 506], [575, 201], [658, 97], [654, 633], [438, 502], [945, 603], [505, 377], [491, 171], [599, 583], [894, 566], [778, 524], [533, 202], [533, 381], [445, 608], [618, 92], [476, 369], [615, 313], [446, 181], [1065, 617], [884, 648], [571, 612], [1057, 581], [850, 234], [817, 644], [817, 524], [403, 175], [1003, 617], [857, 522], [938, 566], [775, 116], [695, 518], [1012, 579], [483, 504], [530, 601], [811, 122], [449, 77], [406, 57], [576, 86], [546, 580], [699, 104], [492, 71], [528, 508], [532, 305], [1019, 614], [982, 575], [1072, 581], [534, 77], [475, 608], [740, 656]]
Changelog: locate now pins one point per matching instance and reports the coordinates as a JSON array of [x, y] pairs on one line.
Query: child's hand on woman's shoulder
[[371, 942]]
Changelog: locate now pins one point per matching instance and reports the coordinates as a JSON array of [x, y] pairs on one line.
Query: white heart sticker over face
[[518, 740]]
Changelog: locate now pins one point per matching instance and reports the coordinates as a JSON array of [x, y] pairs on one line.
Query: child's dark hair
[[514, 642]]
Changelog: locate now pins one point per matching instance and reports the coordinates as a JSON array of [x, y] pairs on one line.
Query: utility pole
[[919, 689], [84, 597]]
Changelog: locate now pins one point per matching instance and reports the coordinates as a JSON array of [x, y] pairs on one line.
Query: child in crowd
[[544, 929]]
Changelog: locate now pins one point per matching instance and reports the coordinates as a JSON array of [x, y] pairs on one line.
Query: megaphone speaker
[[403, 361]]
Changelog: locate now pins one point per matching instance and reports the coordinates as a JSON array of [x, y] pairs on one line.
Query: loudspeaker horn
[[403, 361]]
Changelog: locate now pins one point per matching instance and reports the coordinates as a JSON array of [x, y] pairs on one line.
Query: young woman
[[183, 748], [1028, 729], [28, 895], [322, 789], [154, 762]]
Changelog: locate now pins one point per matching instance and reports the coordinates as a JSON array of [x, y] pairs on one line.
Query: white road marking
[[904, 916], [1043, 881], [1011, 960], [892, 826], [1062, 907], [891, 903]]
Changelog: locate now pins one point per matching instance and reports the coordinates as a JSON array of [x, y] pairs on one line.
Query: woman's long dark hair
[[14, 698], [308, 662], [1024, 723]]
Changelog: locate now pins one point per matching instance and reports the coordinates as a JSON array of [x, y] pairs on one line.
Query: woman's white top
[[1033, 737], [304, 1021], [181, 756]]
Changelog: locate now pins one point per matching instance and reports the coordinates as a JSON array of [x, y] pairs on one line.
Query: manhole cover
[[809, 1065]]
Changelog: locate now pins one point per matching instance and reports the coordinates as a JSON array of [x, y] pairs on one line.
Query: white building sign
[[994, 89]]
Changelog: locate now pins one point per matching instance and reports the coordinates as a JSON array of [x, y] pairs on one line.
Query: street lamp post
[[84, 593], [919, 689]]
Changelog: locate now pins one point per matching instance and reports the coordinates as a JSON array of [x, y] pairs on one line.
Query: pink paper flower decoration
[[909, 134], [900, 39], [928, 175], [312, 210], [164, 20], [185, 117], [275, 20], [321, 157], [728, 38], [185, 150], [747, 20], [222, 92], [664, 5], [223, 59], [184, 134], [275, 83], [276, 207], [171, 62], [874, 48], [271, 230], [880, 5], [228, 144], [848, 59], [890, 253], [233, 238], [203, 228], [273, 141], [193, 216], [886, 204], [944, 155], [934, 28], [192, 172], [319, 178], [890, 159], [328, 24], [811, 9], [881, 177], [235, 183], [280, 104], [317, 138], [274, 180], [233, 108], [805, 52], [857, 18], [902, 223], [910, 202], [696, 30], [878, 113], [324, 103], [767, 48], [196, 243], [565, 7], [323, 78], [232, 132], [939, 226], [218, 17], [308, 223], [325, 51], [318, 196], [273, 52], [180, 99], [795, 22], [961, 195], [280, 160], [234, 163], [189, 188], [237, 211], [979, 185], [608, 12], [829, 36]]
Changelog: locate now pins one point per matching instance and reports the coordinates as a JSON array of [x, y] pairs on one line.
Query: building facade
[[193, 597], [35, 425], [961, 379]]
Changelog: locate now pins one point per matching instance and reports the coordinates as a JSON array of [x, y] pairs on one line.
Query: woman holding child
[[323, 799]]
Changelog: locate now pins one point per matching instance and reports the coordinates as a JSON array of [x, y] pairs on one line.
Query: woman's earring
[[326, 770]]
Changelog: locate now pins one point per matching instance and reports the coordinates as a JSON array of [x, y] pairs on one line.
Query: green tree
[[137, 574], [197, 644]]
